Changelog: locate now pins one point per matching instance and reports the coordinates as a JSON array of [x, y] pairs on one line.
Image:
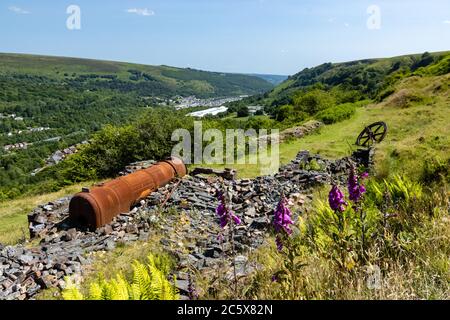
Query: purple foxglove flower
[[355, 189], [364, 175], [236, 219], [336, 199], [282, 217], [282, 221], [362, 189], [225, 214]]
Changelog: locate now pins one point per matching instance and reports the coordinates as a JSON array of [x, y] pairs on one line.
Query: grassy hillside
[[418, 135], [143, 79], [410, 93], [368, 77]]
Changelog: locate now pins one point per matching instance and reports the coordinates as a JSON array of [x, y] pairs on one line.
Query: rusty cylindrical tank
[[96, 207]]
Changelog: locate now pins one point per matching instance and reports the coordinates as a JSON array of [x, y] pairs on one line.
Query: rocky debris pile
[[47, 218], [227, 173], [301, 131], [292, 133], [64, 250], [26, 271]]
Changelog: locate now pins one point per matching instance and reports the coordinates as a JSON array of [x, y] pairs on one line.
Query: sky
[[243, 36]]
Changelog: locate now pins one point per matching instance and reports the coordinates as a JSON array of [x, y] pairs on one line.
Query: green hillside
[[410, 93], [125, 77], [360, 79]]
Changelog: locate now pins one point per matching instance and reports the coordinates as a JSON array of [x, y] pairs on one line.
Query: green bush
[[337, 113], [440, 67], [243, 112], [112, 148], [284, 112], [314, 101], [259, 123]]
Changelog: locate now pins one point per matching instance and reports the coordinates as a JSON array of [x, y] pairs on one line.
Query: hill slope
[[363, 78], [143, 79], [410, 93]]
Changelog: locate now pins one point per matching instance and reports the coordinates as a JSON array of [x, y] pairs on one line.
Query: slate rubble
[[65, 251]]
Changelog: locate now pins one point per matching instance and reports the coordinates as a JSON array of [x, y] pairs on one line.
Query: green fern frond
[[71, 292], [143, 280], [95, 292], [119, 288], [149, 282]]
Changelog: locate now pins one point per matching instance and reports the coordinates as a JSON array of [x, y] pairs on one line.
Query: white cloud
[[141, 12], [18, 10], [332, 20], [346, 24], [446, 21]]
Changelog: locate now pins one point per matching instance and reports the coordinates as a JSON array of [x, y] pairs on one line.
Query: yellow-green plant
[[149, 282], [400, 188]]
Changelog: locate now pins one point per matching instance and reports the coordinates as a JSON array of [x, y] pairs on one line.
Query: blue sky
[[252, 36]]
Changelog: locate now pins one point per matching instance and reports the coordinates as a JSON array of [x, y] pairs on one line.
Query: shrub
[[259, 123], [243, 112], [284, 112], [314, 101], [149, 282], [385, 93], [441, 67], [337, 113], [424, 61], [400, 189]]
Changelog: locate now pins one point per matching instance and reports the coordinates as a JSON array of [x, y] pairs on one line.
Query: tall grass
[[404, 255]]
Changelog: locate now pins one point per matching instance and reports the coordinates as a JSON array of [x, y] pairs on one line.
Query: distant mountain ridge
[[145, 80], [272, 78]]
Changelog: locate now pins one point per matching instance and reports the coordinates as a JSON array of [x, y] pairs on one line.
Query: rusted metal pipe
[[98, 206]]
